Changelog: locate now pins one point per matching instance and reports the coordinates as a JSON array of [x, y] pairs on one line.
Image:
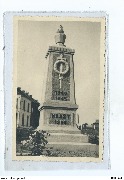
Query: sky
[[34, 38]]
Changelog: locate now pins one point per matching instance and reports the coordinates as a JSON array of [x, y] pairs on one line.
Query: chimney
[[19, 88]]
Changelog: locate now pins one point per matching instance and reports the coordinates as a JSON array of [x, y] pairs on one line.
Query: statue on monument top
[[60, 30], [60, 36]]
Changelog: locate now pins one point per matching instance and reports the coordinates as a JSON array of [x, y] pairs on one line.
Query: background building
[[90, 129], [96, 125], [27, 114]]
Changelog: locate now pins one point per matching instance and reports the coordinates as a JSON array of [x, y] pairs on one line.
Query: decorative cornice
[[55, 106], [60, 50]]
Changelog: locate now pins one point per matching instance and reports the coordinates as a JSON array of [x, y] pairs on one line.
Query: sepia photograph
[[58, 88]]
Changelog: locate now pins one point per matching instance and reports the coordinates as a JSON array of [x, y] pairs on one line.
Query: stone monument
[[58, 112], [59, 107]]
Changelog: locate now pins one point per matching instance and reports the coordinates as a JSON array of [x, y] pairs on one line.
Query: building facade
[[27, 114]]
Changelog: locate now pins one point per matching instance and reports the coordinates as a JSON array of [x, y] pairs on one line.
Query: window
[[24, 106], [22, 119], [17, 122], [28, 107], [17, 103], [16, 116], [27, 120]]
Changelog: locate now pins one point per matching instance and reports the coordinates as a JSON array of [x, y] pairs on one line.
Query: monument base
[[69, 142]]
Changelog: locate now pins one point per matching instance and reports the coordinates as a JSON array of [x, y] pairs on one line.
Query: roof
[[26, 95]]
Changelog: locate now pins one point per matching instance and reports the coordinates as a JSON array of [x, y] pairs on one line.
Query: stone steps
[[62, 137], [65, 131], [61, 129]]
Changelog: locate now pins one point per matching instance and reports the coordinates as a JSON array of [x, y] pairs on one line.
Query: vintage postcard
[[58, 88]]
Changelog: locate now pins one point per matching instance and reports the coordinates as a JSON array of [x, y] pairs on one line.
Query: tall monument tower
[[58, 111]]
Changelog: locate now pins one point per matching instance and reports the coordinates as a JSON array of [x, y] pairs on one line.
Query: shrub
[[34, 144], [94, 139]]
